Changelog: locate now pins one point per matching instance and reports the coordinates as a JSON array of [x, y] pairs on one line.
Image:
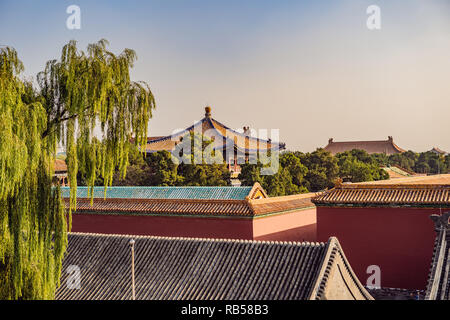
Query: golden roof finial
[[208, 111]]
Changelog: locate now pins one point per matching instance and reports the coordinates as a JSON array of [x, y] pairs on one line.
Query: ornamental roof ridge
[[393, 186], [230, 240]]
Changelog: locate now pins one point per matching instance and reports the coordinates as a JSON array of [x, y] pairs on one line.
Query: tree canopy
[[424, 162], [159, 169], [76, 94], [359, 166], [289, 179]]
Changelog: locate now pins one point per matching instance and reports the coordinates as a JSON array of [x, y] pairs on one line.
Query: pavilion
[[236, 147]]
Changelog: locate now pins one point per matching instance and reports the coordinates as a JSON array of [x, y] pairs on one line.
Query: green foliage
[[163, 172], [93, 89], [359, 166], [206, 167], [381, 159], [286, 181], [322, 167], [77, 93], [32, 220], [406, 160], [432, 163], [204, 174], [425, 162], [159, 169], [137, 170], [251, 173], [315, 171]]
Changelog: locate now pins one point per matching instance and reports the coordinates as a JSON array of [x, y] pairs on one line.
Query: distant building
[[396, 172], [61, 172], [207, 269], [438, 287], [386, 223], [384, 146], [236, 147], [199, 212], [439, 151]]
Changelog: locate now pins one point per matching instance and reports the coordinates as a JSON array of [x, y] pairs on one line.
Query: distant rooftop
[[439, 151], [383, 146], [396, 172]]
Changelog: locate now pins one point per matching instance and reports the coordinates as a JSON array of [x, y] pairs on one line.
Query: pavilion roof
[[60, 165], [223, 136]]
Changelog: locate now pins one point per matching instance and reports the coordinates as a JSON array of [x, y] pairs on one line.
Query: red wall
[[292, 226], [399, 240], [163, 226]]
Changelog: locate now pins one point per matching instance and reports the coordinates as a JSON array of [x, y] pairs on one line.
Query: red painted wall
[[399, 240], [293, 226], [163, 226]]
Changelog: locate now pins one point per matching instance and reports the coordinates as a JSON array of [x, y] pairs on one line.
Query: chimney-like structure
[[390, 139], [330, 140], [208, 112]]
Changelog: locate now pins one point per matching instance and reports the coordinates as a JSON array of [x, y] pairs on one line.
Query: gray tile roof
[[180, 268], [396, 294], [438, 287]]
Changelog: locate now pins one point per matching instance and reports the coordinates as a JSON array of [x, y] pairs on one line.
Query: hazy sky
[[309, 68]]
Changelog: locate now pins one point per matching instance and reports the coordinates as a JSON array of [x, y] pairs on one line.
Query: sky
[[311, 69]]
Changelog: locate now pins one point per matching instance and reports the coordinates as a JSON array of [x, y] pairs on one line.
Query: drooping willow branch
[[78, 93]]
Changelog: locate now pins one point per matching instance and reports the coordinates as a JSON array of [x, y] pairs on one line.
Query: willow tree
[[81, 97]]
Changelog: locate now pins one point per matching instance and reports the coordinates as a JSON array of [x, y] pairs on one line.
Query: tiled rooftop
[[196, 201], [396, 294], [383, 146], [438, 179], [438, 287], [281, 204], [60, 165], [165, 207], [217, 193], [388, 194], [224, 138], [397, 172], [203, 269], [196, 207], [439, 151]]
